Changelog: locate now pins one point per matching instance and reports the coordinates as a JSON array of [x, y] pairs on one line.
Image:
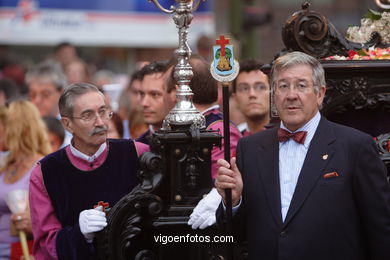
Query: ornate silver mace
[[184, 114]]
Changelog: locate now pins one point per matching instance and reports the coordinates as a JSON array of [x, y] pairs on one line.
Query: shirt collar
[[310, 127], [151, 129], [85, 157], [215, 107], [243, 127]]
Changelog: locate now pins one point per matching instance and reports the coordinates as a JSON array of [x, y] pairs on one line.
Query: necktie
[[298, 137]]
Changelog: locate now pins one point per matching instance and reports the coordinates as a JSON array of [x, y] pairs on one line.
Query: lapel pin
[[324, 157]]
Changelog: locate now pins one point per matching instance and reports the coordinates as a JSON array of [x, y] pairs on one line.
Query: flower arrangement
[[372, 22], [370, 54]]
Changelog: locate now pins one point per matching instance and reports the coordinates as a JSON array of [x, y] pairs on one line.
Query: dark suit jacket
[[341, 218]]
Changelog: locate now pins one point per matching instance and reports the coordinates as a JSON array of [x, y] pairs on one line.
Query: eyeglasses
[[301, 87], [245, 88], [44, 94], [91, 116]]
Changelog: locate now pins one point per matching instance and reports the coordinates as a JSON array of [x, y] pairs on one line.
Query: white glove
[[92, 220], [204, 213]]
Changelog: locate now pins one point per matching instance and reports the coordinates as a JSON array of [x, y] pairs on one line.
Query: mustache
[[291, 104], [99, 129]]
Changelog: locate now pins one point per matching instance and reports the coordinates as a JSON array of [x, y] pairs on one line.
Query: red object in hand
[[103, 204]]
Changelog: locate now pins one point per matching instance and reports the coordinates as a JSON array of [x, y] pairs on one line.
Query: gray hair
[[299, 58], [47, 71], [70, 94], [104, 74]]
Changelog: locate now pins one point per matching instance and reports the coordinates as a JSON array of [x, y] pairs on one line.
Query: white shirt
[[88, 158], [291, 158], [243, 126]]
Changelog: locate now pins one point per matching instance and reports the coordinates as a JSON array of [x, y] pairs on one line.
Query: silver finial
[[184, 114]]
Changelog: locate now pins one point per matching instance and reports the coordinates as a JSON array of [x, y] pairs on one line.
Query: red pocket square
[[330, 175]]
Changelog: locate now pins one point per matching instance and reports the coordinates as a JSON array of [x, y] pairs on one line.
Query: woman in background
[[3, 150], [26, 141]]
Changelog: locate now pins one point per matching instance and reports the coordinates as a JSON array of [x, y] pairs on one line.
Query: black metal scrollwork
[[312, 33], [354, 92], [151, 172], [128, 222], [356, 85], [383, 144], [173, 178]]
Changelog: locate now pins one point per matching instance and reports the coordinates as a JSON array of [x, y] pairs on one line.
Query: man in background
[[157, 97], [46, 83], [252, 94], [65, 53], [130, 109]]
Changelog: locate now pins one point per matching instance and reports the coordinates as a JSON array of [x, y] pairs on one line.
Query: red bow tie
[[298, 137]]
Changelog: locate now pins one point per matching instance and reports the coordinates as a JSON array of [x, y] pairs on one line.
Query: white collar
[[85, 157], [209, 109], [151, 129], [243, 127]]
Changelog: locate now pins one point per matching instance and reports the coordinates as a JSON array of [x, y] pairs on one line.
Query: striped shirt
[[291, 158]]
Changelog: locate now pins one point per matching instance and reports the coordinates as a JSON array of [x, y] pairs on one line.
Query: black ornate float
[[358, 95], [175, 174], [383, 142]]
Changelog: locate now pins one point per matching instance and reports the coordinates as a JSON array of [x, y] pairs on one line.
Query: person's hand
[[91, 221], [31, 257], [22, 222], [229, 178], [204, 213]]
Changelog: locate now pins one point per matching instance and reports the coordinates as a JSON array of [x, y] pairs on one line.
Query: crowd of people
[[62, 140]]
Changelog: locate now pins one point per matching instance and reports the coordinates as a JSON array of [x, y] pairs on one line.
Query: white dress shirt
[[85, 157], [291, 158], [243, 126]]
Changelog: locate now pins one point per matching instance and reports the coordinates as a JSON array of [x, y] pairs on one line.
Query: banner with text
[[122, 23]]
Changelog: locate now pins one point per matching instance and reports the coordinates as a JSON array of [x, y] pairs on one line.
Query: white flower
[[363, 33]]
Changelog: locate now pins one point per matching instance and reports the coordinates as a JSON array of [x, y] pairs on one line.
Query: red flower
[[351, 53]]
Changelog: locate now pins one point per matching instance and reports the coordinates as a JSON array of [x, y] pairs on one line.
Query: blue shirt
[[291, 158]]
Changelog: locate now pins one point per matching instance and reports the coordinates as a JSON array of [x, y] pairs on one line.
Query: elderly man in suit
[[309, 189]]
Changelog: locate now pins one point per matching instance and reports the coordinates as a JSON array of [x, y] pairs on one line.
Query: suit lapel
[[268, 167], [313, 166]]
